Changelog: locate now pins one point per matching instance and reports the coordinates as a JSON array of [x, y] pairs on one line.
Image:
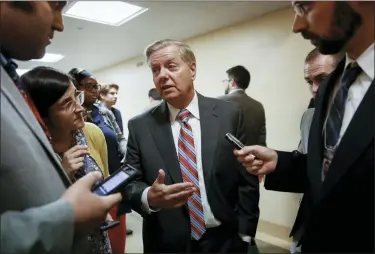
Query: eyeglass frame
[[95, 87], [78, 102]]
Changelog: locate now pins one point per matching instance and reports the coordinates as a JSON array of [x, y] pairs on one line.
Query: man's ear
[[193, 70]]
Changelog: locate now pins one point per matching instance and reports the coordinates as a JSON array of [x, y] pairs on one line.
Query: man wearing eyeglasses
[[337, 174], [253, 111]]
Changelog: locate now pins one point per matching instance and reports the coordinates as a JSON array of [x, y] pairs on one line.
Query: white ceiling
[[95, 46]]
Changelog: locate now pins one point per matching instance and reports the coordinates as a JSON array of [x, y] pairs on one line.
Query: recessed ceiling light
[[49, 58], [20, 72], [114, 13]]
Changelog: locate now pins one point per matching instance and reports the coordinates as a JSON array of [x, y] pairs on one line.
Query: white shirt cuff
[[145, 207], [245, 238]]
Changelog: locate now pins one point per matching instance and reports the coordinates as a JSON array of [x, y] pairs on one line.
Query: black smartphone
[[116, 181], [234, 141], [109, 224]]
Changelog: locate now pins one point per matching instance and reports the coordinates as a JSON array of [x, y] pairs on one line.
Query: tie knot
[[352, 71], [353, 68], [183, 115]]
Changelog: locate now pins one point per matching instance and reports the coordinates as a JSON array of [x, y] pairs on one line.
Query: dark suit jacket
[[232, 194], [118, 116], [337, 214], [253, 114]]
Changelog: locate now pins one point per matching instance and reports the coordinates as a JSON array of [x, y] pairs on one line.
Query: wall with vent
[[274, 56]]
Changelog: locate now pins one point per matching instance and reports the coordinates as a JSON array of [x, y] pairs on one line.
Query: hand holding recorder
[[257, 160]]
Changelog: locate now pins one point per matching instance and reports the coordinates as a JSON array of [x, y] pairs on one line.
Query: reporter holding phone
[[41, 211], [80, 146]]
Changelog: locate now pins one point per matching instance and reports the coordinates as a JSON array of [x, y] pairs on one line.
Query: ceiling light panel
[[49, 58], [114, 13]]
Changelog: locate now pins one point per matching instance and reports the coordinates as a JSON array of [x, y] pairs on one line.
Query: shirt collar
[[236, 90], [365, 61], [193, 108]]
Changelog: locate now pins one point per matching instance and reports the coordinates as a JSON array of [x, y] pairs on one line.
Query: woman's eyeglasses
[[91, 87], [80, 97]]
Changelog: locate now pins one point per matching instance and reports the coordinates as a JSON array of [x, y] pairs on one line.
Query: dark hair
[[79, 74], [45, 86], [23, 5], [153, 93], [312, 55], [240, 75]]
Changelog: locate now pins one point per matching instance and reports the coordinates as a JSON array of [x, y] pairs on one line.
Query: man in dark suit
[[253, 112], [337, 174], [316, 68], [40, 211], [198, 202]]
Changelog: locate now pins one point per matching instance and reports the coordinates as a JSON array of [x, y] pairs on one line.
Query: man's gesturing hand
[[168, 196], [258, 160]]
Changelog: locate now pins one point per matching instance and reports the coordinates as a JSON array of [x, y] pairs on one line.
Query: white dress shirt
[[194, 122], [357, 90]]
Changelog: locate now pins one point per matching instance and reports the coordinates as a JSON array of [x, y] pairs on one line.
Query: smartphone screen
[[109, 185]]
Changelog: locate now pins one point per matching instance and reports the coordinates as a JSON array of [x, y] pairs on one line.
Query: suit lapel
[[11, 92], [162, 134], [210, 125], [315, 144], [356, 139]]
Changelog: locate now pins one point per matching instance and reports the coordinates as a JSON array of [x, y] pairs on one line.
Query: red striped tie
[[188, 165]]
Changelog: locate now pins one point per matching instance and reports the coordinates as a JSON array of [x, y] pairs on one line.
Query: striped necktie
[[189, 171], [336, 113]]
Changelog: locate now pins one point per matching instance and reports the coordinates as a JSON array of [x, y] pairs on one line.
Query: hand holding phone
[[116, 181]]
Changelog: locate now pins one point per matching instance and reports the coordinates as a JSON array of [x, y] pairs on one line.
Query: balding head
[[318, 67]]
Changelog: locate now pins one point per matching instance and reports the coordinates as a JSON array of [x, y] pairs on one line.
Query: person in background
[[108, 95], [193, 195], [154, 99], [238, 80], [317, 68], [116, 147], [337, 174], [80, 146], [41, 210]]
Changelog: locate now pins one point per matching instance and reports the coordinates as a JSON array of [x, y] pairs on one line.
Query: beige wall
[[274, 56]]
